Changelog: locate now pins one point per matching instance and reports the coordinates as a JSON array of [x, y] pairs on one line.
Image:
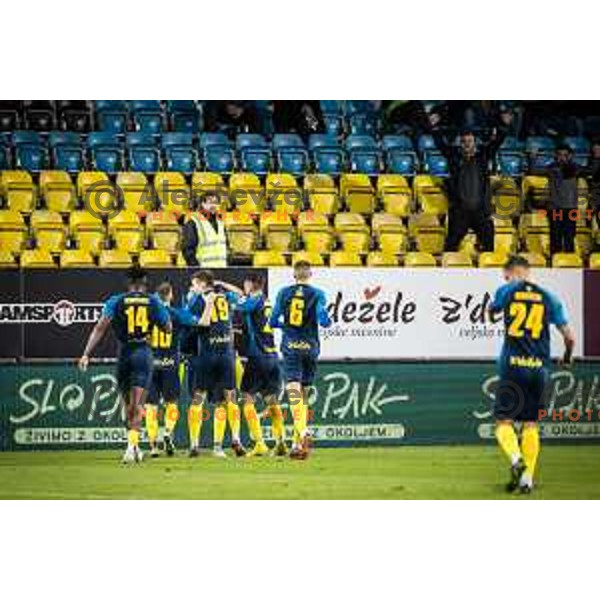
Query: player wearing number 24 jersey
[[529, 311]]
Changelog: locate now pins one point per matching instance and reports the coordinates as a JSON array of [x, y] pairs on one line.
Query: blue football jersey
[[258, 333], [166, 345]]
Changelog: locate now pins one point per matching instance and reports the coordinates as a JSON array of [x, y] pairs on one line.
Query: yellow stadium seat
[[505, 243], [353, 232], [426, 230], [315, 231], [430, 194], [419, 259], [456, 259], [314, 258], [172, 191], [349, 221], [13, 232], [246, 193], [7, 260], [322, 193], [469, 245], [534, 230], [492, 260], [268, 258], [114, 259], [37, 259], [19, 190], [534, 259], [283, 193], [535, 190], [153, 259], [277, 230], [138, 194], [506, 197], [381, 259], [242, 233], [97, 192], [127, 231], [565, 260], [395, 195], [165, 240], [357, 193], [344, 259], [58, 190], [312, 220], [49, 230], [595, 260], [205, 181], [161, 221], [88, 231], [390, 233], [76, 259]]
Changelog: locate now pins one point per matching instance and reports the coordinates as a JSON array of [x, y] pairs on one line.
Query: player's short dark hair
[[164, 290], [137, 275], [204, 275], [255, 278], [516, 261]]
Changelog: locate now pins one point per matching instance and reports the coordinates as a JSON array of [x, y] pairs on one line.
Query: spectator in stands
[[595, 180], [298, 116], [468, 183], [204, 242], [232, 117]]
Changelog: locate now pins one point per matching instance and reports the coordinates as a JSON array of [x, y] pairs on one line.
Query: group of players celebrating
[[151, 331]]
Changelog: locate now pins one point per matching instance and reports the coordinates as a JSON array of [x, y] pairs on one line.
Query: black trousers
[[562, 231], [459, 223]]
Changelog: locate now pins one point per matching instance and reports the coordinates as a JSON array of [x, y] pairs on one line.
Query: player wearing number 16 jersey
[[299, 310], [132, 315], [529, 311]]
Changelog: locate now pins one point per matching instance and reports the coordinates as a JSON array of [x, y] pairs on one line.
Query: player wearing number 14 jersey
[[133, 315], [529, 311]]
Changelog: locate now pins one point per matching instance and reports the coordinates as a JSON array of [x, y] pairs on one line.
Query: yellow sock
[[508, 441], [233, 416], [530, 446], [253, 421], [299, 414], [151, 422], [219, 425], [133, 438], [277, 424], [172, 416], [195, 424]]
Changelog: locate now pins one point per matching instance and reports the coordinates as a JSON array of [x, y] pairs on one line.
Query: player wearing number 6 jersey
[[299, 310], [529, 311], [133, 315]]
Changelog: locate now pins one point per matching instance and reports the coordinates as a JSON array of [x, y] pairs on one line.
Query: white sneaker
[[219, 453], [133, 455]]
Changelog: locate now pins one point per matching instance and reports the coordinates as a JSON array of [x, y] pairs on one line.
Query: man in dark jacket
[[469, 191]]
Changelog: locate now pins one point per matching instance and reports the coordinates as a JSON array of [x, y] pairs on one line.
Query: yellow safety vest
[[211, 251]]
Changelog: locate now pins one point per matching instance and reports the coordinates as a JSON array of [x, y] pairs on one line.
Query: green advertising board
[[50, 406]]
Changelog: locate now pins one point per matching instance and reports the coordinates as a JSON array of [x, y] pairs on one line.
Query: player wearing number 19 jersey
[[299, 310], [529, 311], [133, 315]]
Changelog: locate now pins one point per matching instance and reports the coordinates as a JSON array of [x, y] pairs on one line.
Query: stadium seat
[[535, 260], [172, 191], [105, 151], [327, 156], [111, 115], [136, 192], [49, 230], [142, 153], [283, 193], [183, 115], [400, 157], [66, 151], [30, 153], [74, 115], [127, 231], [242, 233], [353, 232], [578, 144], [534, 231], [315, 231], [419, 259], [5, 153], [114, 259], [268, 258], [332, 116], [76, 259], [395, 195], [381, 259], [277, 230], [204, 181], [57, 190], [40, 115], [427, 232], [595, 261], [13, 231], [163, 231], [157, 258], [19, 190], [357, 193], [313, 258], [11, 116], [147, 115], [97, 192], [88, 231], [254, 152], [246, 193], [217, 153], [290, 153], [37, 259], [535, 190], [7, 259], [342, 258], [456, 259], [469, 246], [180, 154], [492, 259], [436, 165], [564, 260], [506, 197], [363, 154], [390, 233], [322, 193], [539, 144], [430, 194], [511, 163]]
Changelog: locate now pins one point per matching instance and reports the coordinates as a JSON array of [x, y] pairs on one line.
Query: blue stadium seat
[[362, 117], [291, 153], [142, 152], [579, 145], [66, 150], [398, 142], [74, 115], [539, 144], [511, 163], [105, 151], [183, 116], [332, 116], [541, 160], [147, 115], [401, 162], [426, 143], [254, 152], [111, 115], [30, 153], [436, 164], [363, 154], [40, 115], [512, 144], [326, 153], [180, 154], [217, 152]]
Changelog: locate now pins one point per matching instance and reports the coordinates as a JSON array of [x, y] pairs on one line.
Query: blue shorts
[[262, 375], [300, 367], [520, 394], [212, 372], [165, 386], [134, 367]]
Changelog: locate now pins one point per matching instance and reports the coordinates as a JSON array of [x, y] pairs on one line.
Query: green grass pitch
[[346, 473]]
